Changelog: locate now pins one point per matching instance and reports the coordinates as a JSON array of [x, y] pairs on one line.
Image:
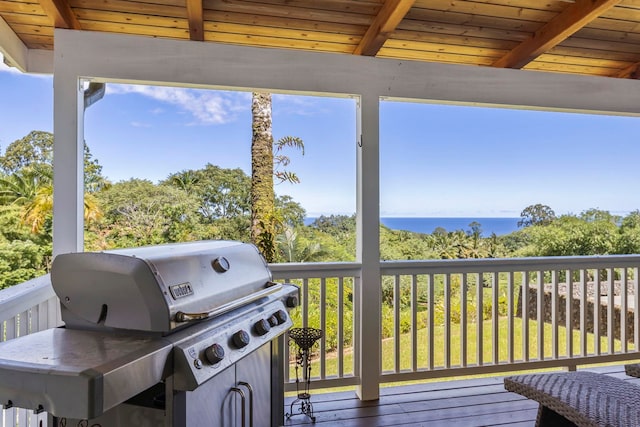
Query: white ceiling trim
[[114, 57], [14, 51], [17, 55]]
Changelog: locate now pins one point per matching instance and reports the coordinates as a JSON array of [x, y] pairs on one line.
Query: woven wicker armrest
[[633, 370], [585, 399]]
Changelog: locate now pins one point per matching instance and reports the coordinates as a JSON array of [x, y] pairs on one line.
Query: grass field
[[455, 345]]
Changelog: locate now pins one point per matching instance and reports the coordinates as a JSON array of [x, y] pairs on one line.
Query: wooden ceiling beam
[[61, 14], [631, 72], [570, 20], [384, 24], [195, 14]]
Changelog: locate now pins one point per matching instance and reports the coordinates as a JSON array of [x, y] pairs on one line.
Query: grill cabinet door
[[218, 402], [255, 370]]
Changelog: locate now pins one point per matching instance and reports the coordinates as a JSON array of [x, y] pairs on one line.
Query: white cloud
[[140, 125], [207, 107], [297, 105]]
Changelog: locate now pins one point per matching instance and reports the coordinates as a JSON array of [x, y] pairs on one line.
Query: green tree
[[21, 260], [223, 193], [629, 239], [36, 148], [138, 212], [537, 214], [588, 234]]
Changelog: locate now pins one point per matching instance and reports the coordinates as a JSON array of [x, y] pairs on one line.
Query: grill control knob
[[240, 339], [292, 302], [273, 321], [214, 353], [262, 327], [281, 316]]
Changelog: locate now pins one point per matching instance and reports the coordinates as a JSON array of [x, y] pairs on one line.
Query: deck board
[[460, 403]]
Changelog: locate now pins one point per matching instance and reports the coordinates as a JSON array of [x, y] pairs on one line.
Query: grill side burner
[[178, 335]]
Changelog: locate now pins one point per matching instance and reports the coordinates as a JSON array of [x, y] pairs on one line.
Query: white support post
[[368, 245], [68, 162]]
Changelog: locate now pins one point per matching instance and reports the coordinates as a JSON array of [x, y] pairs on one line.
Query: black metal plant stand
[[304, 338]]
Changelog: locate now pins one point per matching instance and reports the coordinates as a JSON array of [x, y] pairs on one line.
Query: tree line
[[215, 203]]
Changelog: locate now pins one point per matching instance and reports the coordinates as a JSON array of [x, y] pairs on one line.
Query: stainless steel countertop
[[80, 374]]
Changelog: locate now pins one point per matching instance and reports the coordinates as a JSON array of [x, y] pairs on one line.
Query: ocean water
[[500, 226]]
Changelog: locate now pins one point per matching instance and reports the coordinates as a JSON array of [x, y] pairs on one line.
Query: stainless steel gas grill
[[174, 335]]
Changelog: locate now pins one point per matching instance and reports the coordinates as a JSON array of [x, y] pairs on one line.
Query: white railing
[[327, 292], [439, 318], [430, 312], [24, 309]]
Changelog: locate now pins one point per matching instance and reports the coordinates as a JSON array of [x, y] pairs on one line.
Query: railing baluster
[[610, 311], [479, 318], [511, 315], [10, 417], [636, 307], [569, 313], [431, 322], [525, 316], [463, 321], [495, 316], [623, 310], [447, 320], [396, 322], [340, 323], [583, 312], [414, 322], [322, 300], [540, 313], [554, 314], [305, 303], [596, 312], [357, 320]]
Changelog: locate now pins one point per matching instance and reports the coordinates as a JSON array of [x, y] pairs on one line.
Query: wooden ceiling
[[592, 37]]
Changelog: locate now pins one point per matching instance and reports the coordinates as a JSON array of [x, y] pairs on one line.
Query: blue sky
[[436, 160]]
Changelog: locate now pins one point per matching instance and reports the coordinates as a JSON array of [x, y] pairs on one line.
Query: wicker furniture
[[633, 370], [583, 399]]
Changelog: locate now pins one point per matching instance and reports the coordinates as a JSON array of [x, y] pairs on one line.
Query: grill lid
[[157, 288]]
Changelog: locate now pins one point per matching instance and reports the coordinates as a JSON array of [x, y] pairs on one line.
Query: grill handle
[[242, 400], [188, 317], [248, 386]]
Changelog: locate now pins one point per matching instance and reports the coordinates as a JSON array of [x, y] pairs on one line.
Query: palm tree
[[32, 189], [262, 192], [19, 188], [265, 221]]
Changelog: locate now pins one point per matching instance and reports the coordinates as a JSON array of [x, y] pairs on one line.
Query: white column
[[368, 246], [68, 163]]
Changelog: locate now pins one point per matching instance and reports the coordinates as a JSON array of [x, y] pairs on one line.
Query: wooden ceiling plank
[[195, 15], [61, 14], [281, 22], [573, 18], [390, 15]]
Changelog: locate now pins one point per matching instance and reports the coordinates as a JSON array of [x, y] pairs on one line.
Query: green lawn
[[388, 347]]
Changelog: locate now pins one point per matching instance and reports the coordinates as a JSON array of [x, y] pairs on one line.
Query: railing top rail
[[316, 269], [509, 264], [18, 298]]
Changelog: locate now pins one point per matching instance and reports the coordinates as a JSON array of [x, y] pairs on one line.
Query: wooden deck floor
[[468, 403]]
